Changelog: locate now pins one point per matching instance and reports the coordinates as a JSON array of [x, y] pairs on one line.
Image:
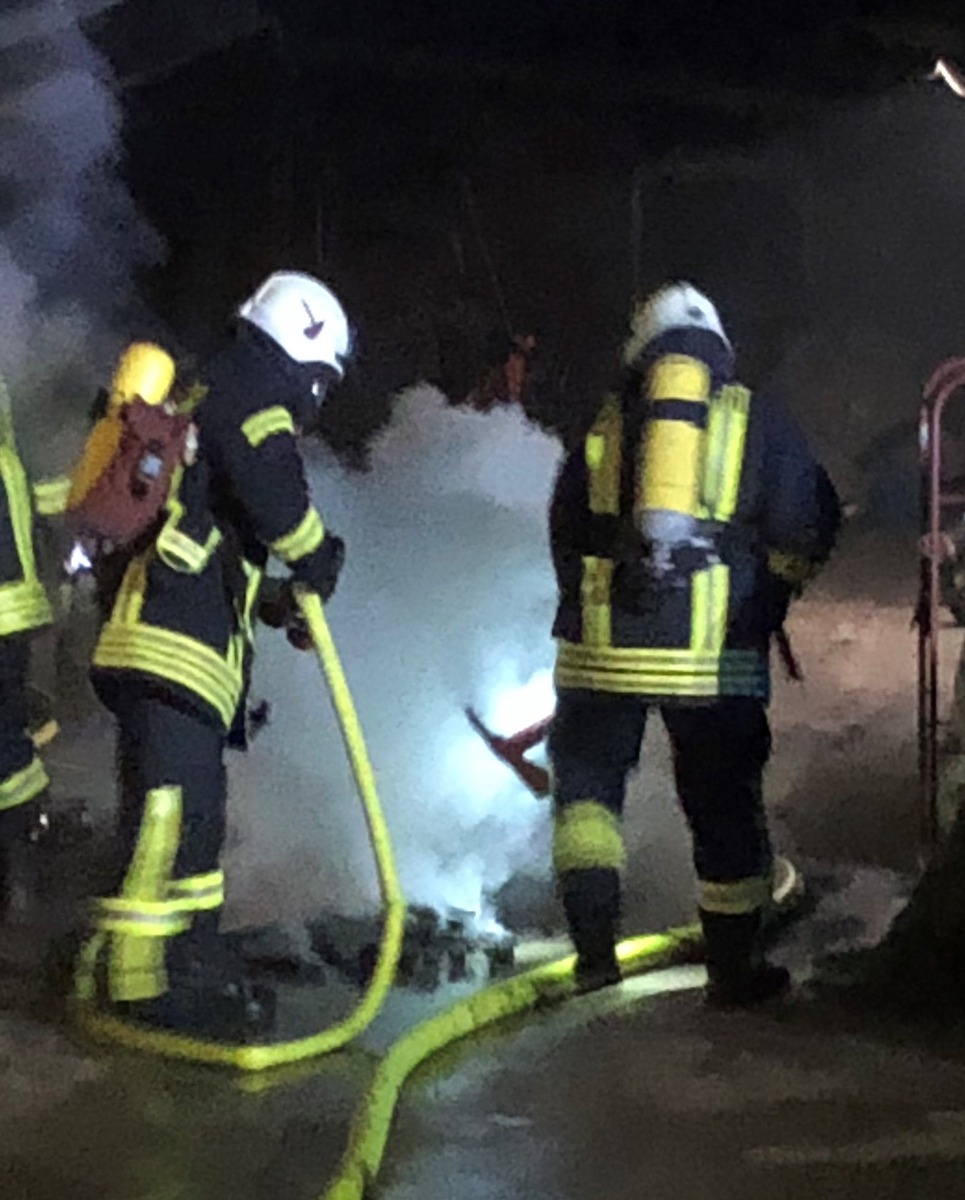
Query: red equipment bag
[[128, 494]]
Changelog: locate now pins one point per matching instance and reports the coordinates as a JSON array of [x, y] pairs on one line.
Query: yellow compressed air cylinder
[[671, 457], [144, 371]]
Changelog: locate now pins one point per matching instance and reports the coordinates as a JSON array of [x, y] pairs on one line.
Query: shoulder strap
[[604, 458], [724, 458]]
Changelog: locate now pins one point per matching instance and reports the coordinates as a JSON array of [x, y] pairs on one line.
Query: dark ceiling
[[736, 40]]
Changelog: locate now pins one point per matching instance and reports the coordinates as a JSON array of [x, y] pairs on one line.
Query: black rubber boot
[[234, 1012], [738, 976], [209, 995], [591, 901], [21, 831]]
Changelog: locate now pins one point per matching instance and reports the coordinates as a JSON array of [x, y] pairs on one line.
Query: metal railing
[[933, 549]]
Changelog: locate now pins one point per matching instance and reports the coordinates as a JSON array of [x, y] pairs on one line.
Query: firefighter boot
[[21, 829], [738, 975], [208, 994], [591, 901]]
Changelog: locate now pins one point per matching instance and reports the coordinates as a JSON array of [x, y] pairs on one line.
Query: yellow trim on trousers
[[23, 786], [736, 897], [586, 835], [198, 893], [142, 918]]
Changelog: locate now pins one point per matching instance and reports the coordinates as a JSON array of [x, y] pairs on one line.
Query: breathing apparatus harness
[[672, 475]]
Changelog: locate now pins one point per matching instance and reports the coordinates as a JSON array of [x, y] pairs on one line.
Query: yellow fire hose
[[371, 1125], [263, 1057], [554, 981]]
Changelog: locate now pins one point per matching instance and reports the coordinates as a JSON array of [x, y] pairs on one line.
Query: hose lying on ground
[[554, 981]]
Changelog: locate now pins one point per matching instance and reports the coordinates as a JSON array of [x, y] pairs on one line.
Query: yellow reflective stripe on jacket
[[21, 515], [586, 835], [253, 576], [23, 785], [717, 430], [190, 402], [182, 553], [604, 456], [733, 899], [709, 602], [307, 536], [727, 438], [23, 605], [595, 589], [50, 495], [177, 549], [128, 643], [198, 893], [644, 671], [130, 595], [262, 425], [142, 917], [23, 601], [603, 452], [174, 656]]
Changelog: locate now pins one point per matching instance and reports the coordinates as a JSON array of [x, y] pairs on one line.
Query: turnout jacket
[[23, 601], [768, 506], [179, 608]]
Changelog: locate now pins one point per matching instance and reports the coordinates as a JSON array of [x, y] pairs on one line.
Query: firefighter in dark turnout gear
[[681, 529], [173, 656], [24, 608]]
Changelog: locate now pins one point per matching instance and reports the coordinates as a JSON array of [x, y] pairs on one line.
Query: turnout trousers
[[168, 886], [720, 748], [22, 775]]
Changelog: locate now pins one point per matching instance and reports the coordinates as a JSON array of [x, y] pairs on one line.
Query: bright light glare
[[78, 560], [490, 797], [950, 74], [512, 709]]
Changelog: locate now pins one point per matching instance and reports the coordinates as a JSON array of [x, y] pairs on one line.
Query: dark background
[[459, 171]]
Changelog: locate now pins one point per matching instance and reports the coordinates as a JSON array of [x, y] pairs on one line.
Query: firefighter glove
[[326, 566]]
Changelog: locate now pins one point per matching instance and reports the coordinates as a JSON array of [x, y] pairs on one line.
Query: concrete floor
[[618, 1095], [624, 1094]]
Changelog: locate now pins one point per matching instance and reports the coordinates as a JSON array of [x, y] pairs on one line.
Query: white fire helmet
[[674, 306], [304, 317]]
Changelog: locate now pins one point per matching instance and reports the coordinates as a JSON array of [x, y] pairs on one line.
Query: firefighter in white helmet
[[681, 528], [173, 655]]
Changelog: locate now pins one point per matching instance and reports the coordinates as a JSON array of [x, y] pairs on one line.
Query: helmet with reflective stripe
[[674, 306], [304, 317]]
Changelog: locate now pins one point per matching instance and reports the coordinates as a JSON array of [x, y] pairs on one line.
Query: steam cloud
[[447, 599], [447, 595], [70, 237]]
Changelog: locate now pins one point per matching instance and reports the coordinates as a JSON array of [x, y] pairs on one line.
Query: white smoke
[[447, 599], [70, 238]]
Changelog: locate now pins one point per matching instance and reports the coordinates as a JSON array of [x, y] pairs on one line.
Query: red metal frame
[[946, 380]]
